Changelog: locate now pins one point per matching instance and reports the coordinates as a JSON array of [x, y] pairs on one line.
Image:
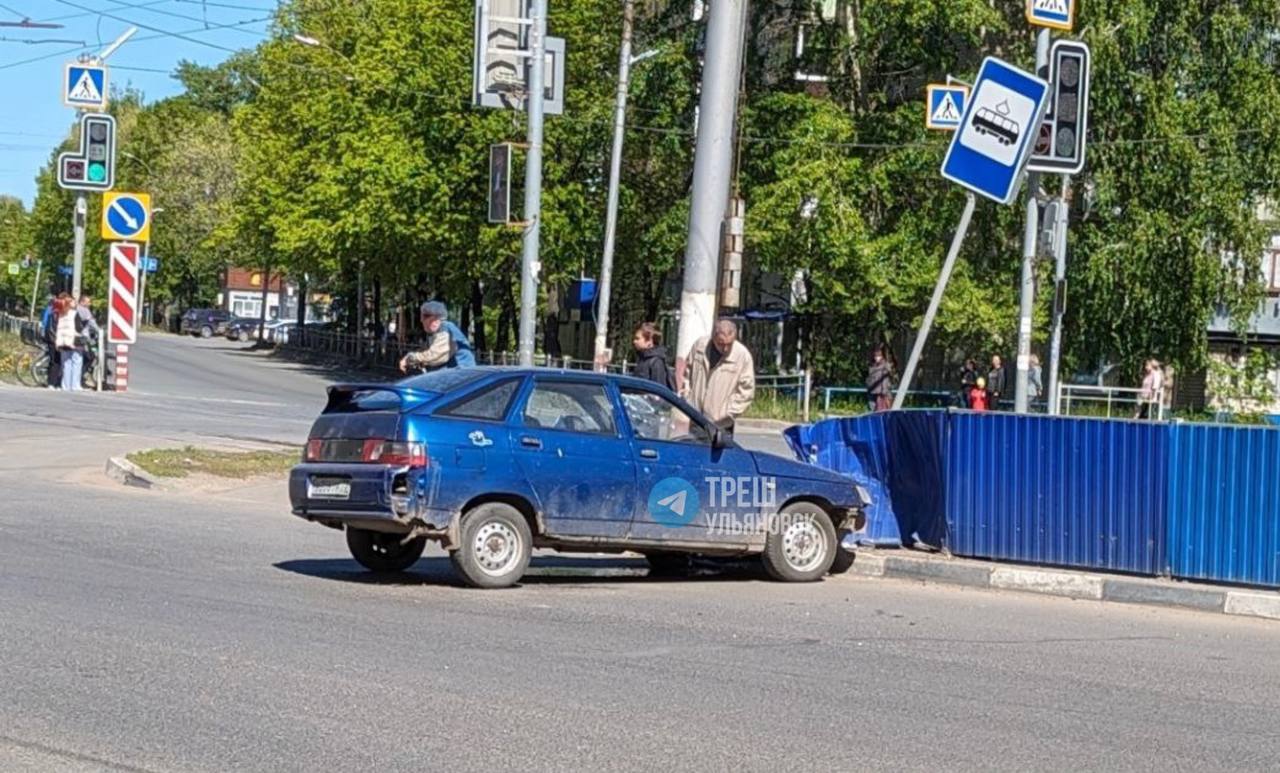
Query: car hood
[[780, 467]]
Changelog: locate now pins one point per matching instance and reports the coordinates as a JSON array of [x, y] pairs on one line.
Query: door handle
[[648, 453], [530, 442]]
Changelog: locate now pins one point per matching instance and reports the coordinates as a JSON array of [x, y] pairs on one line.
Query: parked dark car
[[493, 462], [243, 329], [205, 323]]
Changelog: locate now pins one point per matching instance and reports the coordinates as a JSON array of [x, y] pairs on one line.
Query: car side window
[[566, 405], [654, 417], [489, 404]]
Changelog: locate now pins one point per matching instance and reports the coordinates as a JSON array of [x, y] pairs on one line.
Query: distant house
[[242, 294]]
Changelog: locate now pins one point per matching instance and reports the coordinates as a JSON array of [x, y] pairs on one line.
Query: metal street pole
[[615, 173], [142, 281], [943, 278], [31, 313], [535, 102], [712, 173], [1063, 213], [1030, 236], [360, 310], [77, 264]]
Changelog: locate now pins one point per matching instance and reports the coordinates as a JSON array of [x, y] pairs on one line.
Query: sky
[[33, 119]]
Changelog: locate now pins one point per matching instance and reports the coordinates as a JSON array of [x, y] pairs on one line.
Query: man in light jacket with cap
[[722, 377], [445, 346]]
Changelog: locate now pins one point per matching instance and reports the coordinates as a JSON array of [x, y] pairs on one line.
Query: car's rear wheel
[[243, 335], [206, 332], [801, 546], [383, 552], [494, 548]]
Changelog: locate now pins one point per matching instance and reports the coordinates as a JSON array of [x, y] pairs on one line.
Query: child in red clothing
[[978, 396]]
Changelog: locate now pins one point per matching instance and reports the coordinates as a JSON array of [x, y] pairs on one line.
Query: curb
[[763, 425], [1083, 586], [124, 471]]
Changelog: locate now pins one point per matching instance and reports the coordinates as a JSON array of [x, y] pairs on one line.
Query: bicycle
[[32, 366]]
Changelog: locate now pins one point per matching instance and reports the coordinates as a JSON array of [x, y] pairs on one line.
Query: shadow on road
[[543, 570]]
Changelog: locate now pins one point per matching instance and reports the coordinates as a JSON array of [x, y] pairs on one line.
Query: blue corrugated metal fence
[[1190, 501]]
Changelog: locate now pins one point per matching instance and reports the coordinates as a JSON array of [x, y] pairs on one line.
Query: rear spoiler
[[342, 397]]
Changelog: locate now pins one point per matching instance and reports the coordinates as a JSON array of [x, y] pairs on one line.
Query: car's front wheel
[[380, 551], [494, 548], [243, 335], [801, 546], [206, 332]]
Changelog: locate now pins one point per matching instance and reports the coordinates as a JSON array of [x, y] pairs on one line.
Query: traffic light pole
[[535, 102], [1030, 236], [77, 266]]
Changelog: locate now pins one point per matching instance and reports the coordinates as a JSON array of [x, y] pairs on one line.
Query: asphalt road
[[171, 631]]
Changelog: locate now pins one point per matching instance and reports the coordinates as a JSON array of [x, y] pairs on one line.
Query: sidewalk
[[936, 568]]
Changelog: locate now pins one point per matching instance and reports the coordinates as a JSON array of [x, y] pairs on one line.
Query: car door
[[686, 490], [569, 445]]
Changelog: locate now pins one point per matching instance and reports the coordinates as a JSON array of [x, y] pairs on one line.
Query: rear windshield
[[441, 381], [362, 401]]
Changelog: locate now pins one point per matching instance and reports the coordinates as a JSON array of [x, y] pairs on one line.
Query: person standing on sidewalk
[[880, 380], [67, 342], [995, 383], [49, 333], [445, 345], [88, 332], [721, 381], [651, 356]]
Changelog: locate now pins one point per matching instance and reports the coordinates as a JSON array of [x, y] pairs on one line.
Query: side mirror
[[720, 438]]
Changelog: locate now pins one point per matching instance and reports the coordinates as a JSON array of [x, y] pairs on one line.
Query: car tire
[[665, 564], [494, 547], [206, 332], [802, 545], [382, 551], [843, 562], [243, 336]]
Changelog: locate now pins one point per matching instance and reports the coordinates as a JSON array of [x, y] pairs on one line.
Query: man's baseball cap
[[434, 309]]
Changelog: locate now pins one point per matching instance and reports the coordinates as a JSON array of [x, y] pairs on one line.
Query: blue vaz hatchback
[[494, 462]]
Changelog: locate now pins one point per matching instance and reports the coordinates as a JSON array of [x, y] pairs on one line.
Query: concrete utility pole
[[615, 173], [1030, 237], [712, 172], [529, 264]]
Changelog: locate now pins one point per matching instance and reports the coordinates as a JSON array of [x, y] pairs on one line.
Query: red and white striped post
[[122, 312]]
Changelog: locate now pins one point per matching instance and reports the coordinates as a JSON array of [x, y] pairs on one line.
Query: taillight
[[315, 446], [395, 453]]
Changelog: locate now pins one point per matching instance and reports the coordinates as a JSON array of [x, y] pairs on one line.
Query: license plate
[[328, 490]]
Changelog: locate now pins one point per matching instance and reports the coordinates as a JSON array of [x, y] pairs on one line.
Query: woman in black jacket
[[651, 356]]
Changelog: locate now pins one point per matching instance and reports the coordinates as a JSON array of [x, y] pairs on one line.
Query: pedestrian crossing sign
[[1058, 14], [945, 104], [85, 87]]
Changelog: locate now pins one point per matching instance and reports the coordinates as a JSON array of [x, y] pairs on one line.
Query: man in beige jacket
[[721, 378]]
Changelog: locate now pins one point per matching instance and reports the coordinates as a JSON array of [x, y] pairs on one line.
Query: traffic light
[[1061, 142], [500, 183], [93, 167]]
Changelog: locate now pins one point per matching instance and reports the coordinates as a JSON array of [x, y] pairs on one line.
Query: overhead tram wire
[[142, 38], [184, 17], [178, 35]]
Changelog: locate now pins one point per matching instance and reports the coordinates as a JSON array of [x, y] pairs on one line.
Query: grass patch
[[181, 462], [11, 348]]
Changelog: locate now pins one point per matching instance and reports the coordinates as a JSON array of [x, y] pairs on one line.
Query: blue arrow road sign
[[85, 86], [126, 216], [989, 151]]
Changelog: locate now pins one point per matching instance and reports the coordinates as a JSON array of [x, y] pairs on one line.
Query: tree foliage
[[346, 144]]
